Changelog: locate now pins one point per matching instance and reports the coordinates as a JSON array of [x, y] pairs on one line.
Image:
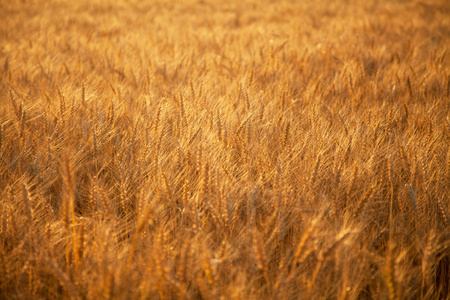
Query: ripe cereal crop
[[205, 149]]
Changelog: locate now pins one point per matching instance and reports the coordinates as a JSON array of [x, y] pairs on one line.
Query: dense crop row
[[202, 149]]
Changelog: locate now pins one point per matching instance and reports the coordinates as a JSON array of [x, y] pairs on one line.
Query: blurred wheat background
[[224, 150]]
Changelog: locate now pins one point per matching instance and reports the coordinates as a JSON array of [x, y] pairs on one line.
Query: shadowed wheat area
[[224, 150]]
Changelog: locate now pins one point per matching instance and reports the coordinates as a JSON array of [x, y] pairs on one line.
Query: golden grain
[[224, 149]]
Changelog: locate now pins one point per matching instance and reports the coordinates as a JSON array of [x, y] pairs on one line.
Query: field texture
[[224, 149]]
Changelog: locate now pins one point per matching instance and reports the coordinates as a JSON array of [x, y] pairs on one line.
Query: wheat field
[[202, 149]]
